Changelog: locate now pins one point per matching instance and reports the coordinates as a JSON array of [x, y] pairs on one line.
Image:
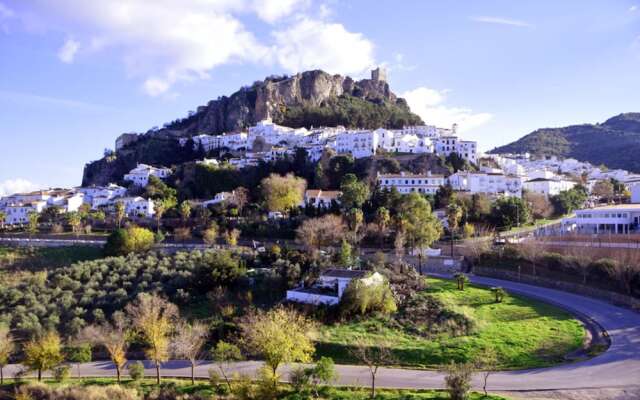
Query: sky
[[74, 74]]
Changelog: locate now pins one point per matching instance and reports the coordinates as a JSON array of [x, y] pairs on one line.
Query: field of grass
[[524, 333], [203, 390]]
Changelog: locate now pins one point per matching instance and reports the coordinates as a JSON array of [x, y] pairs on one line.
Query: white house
[[548, 187], [218, 198], [140, 174], [137, 206], [321, 198], [616, 219], [275, 134], [466, 149], [407, 183], [18, 213], [330, 286], [489, 183], [357, 143], [97, 196]]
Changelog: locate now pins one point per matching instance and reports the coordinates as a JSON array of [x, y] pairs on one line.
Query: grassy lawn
[[204, 390], [524, 333]]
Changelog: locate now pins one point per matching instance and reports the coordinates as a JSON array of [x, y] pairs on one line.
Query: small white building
[[407, 183], [466, 149], [490, 183], [548, 187], [330, 286], [18, 213], [137, 206], [321, 198], [615, 219], [140, 174], [357, 143]]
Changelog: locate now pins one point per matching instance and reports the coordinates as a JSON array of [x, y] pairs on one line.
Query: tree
[[185, 211], [354, 192], [458, 380], [568, 200], [157, 189], [130, 240], [355, 219], [382, 220], [189, 341], [223, 354], [280, 336], [7, 347], [43, 353], [373, 355], [323, 372], [3, 218], [120, 213], [486, 362], [79, 353], [154, 318], [454, 214], [461, 280], [421, 227], [114, 337], [74, 220], [240, 198], [480, 207], [509, 212], [231, 237], [362, 298], [499, 293], [161, 206], [315, 233], [539, 204], [282, 193], [603, 189], [346, 256], [210, 235], [32, 226]]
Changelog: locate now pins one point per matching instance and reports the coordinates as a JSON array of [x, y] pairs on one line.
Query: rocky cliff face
[[271, 97]]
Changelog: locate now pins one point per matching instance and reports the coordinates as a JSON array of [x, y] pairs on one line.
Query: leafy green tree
[[32, 226], [185, 211], [360, 298], [160, 207], [280, 336], [120, 213], [382, 220], [567, 201], [157, 189], [354, 192], [3, 218], [80, 353], [282, 193], [7, 347], [346, 256], [74, 219], [43, 353], [454, 214], [210, 235], [130, 240], [420, 225], [509, 212]]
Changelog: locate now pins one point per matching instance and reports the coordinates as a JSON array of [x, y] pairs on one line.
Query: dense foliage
[[67, 298]]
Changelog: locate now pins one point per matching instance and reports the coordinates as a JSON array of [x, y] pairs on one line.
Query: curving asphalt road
[[618, 367]]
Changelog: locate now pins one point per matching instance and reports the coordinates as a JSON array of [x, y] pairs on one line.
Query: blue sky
[[75, 74]]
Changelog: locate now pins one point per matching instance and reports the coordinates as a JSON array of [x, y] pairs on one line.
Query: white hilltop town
[[494, 175]]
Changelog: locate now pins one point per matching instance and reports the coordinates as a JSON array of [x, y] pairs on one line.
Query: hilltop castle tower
[[379, 74]]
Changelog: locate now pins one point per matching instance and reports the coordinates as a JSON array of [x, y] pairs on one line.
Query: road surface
[[618, 367]]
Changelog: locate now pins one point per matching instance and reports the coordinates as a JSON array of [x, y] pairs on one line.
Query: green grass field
[[524, 333], [203, 389]]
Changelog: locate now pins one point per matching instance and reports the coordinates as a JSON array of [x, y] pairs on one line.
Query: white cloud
[[502, 21], [633, 8], [428, 104], [166, 42], [68, 51], [310, 44], [273, 10], [6, 12], [19, 185]]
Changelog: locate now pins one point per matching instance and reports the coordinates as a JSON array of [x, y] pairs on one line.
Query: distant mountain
[[614, 143], [311, 98]]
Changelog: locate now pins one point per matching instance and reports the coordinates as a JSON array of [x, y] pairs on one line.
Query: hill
[[614, 143], [307, 99]]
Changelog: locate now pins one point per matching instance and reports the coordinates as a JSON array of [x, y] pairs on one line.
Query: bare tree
[[7, 347], [188, 342], [531, 249], [625, 268], [373, 355], [114, 337], [485, 363], [315, 233]]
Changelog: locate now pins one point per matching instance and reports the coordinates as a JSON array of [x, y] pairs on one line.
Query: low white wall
[[311, 298]]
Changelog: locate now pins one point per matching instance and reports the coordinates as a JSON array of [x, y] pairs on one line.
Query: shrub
[[299, 379], [136, 370], [214, 378], [61, 373], [130, 240], [360, 298], [458, 380]]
